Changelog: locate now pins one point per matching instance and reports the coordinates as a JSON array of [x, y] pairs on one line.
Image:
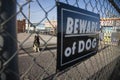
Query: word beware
[[80, 26]]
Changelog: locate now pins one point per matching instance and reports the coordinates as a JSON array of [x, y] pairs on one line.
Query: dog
[[36, 44]]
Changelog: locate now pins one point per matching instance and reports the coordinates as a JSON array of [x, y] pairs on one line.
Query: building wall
[[108, 27], [51, 26], [110, 22], [21, 26]]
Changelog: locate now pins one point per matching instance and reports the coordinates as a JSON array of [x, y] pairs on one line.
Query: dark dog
[[36, 44]]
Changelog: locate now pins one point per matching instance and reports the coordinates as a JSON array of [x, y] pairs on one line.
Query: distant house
[[111, 29], [21, 25], [30, 28], [115, 22], [38, 26], [51, 26], [35, 27]]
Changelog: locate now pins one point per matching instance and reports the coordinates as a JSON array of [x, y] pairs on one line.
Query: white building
[[35, 27]]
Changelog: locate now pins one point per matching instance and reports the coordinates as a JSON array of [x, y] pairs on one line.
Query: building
[[51, 26], [35, 27], [110, 22], [111, 29], [30, 28], [21, 25]]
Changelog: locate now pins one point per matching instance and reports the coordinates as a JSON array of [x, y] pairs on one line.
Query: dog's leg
[[38, 49], [34, 47]]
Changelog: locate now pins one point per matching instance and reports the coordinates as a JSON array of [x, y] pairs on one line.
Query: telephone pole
[[28, 15]]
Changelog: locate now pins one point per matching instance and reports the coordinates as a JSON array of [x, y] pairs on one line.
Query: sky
[[37, 13]]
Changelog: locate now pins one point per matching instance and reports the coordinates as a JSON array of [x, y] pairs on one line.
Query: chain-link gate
[[41, 65]]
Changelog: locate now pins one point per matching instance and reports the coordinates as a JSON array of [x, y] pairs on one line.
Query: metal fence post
[[8, 42]]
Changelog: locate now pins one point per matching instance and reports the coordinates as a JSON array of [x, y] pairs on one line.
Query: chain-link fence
[[42, 64]]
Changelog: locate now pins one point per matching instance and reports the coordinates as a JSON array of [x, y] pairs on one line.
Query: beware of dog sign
[[77, 35]]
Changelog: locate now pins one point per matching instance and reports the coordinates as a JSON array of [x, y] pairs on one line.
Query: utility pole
[[28, 15]]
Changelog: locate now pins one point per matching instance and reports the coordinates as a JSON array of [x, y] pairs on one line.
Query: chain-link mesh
[[42, 65]]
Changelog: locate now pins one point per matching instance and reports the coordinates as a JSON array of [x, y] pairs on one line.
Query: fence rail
[[42, 65]]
